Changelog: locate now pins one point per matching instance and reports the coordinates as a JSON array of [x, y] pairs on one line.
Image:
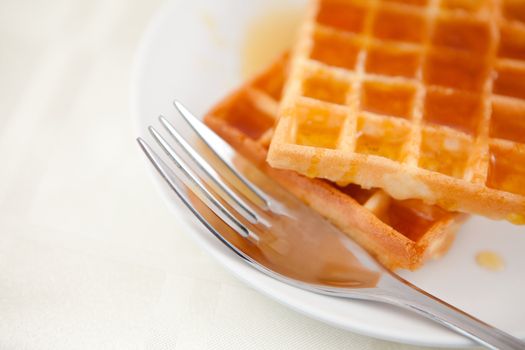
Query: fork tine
[[192, 181], [174, 183], [221, 149], [231, 197]]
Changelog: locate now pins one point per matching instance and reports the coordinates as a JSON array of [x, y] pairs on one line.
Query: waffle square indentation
[[326, 88], [443, 153], [335, 50], [399, 26], [392, 99], [514, 10], [512, 42], [317, 126], [457, 110], [455, 71], [508, 121], [510, 81], [342, 14], [456, 33], [392, 61], [381, 137], [507, 170]]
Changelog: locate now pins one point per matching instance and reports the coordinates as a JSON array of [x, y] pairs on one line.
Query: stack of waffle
[[390, 115]]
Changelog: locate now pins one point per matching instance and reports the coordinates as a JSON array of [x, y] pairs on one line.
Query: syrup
[[507, 122], [318, 127], [267, 37], [507, 171], [490, 261]]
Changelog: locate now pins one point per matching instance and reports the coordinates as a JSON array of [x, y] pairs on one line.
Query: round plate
[[192, 52]]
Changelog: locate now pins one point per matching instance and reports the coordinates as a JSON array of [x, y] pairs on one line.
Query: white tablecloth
[[90, 257]]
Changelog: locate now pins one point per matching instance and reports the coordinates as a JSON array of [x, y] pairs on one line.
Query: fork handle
[[407, 296]]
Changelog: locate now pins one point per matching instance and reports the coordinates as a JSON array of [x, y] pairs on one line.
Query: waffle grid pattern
[[436, 85], [402, 234]]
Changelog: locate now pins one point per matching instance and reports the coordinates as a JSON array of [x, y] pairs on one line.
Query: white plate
[[192, 52]]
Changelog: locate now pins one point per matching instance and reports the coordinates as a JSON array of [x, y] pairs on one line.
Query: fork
[[250, 211]]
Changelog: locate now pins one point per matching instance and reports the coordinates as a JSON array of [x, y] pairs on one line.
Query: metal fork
[[252, 211]]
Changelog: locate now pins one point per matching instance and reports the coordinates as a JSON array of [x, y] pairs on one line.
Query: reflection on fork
[[282, 238]]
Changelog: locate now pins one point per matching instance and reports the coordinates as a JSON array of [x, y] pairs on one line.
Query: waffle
[[401, 234], [424, 99]]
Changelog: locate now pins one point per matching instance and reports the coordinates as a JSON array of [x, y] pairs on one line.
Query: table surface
[[90, 257]]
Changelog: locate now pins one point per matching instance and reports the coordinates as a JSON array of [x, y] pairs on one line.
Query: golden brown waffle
[[402, 234], [424, 99]]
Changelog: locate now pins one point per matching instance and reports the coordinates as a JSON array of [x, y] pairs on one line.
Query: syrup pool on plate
[[268, 36], [490, 260]]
